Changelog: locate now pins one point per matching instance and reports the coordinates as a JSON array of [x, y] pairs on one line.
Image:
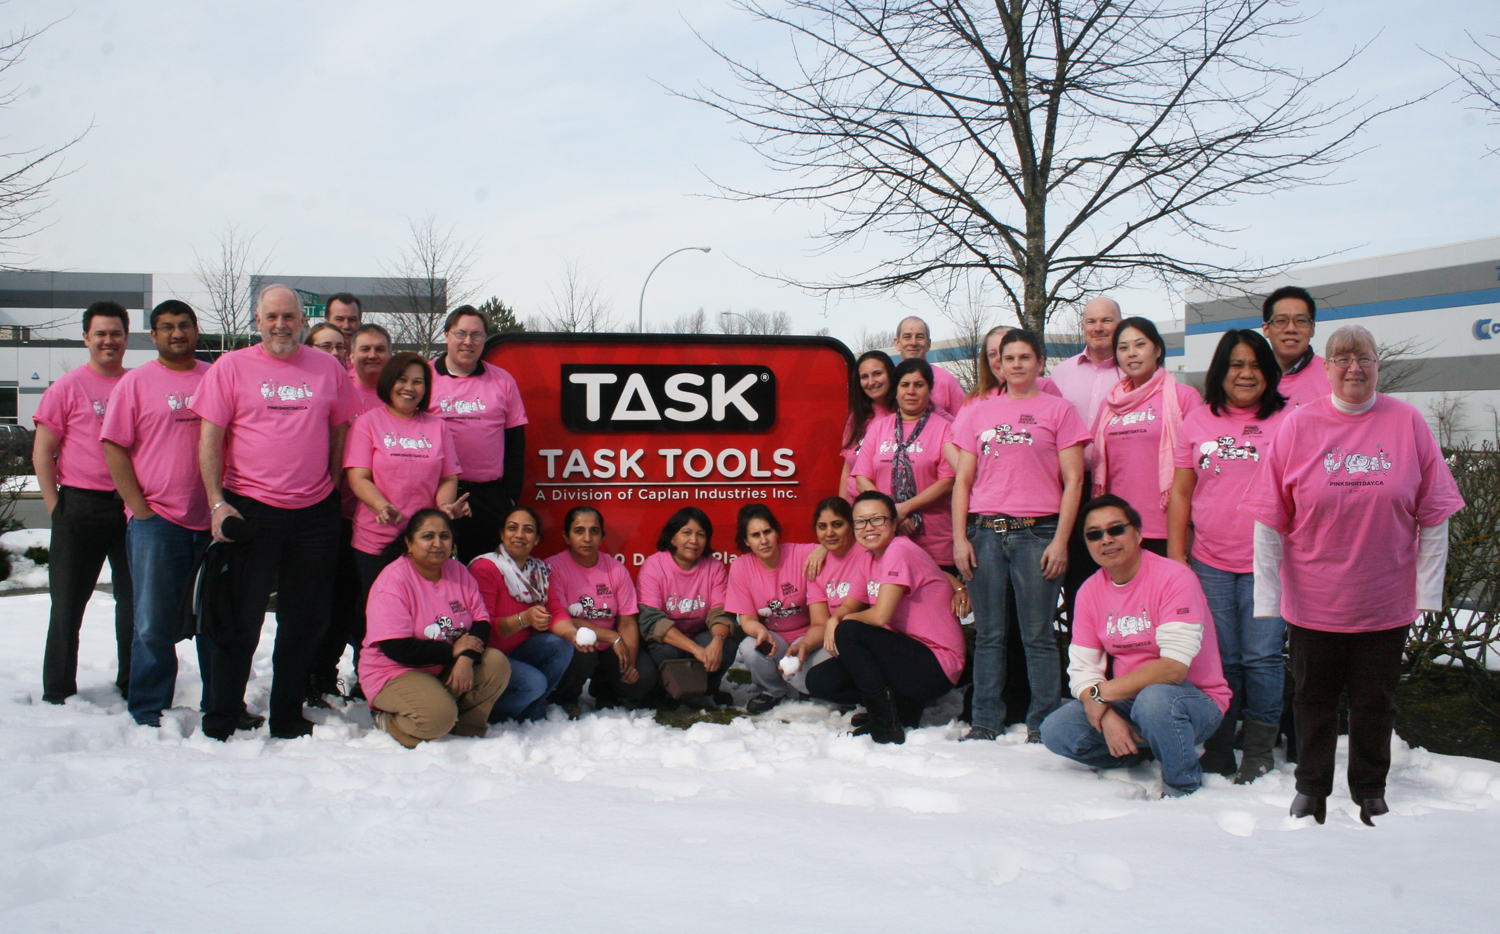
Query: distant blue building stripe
[[1367, 310]]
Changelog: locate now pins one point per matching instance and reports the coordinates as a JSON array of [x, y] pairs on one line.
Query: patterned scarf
[[528, 584], [903, 477]]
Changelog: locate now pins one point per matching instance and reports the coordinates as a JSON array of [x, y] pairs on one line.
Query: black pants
[[289, 551], [872, 659], [1366, 666], [602, 669], [88, 526], [346, 620], [479, 533]]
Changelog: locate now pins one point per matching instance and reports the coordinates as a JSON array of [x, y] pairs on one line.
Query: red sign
[[639, 427]]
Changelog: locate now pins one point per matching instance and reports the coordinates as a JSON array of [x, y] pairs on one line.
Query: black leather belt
[[1007, 523]]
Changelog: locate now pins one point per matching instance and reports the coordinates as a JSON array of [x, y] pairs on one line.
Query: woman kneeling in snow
[[424, 666], [1149, 615]]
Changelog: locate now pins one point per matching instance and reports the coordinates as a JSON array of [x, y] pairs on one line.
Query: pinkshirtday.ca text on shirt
[[598, 595], [73, 409], [1224, 451], [685, 596], [405, 605], [1134, 442], [777, 598], [407, 459], [926, 612], [876, 460], [1015, 444], [150, 415], [478, 409]]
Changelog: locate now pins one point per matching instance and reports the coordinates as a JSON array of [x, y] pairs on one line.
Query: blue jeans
[[162, 554], [1005, 561], [1173, 718], [535, 668], [1249, 647]]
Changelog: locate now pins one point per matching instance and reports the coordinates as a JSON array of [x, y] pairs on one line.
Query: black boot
[[1371, 807], [1314, 806], [1257, 759], [1218, 750], [884, 725]]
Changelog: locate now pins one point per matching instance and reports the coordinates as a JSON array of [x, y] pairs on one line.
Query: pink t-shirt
[[926, 612], [1015, 442], [1133, 440], [73, 409], [685, 596], [277, 417], [1086, 384], [405, 605], [150, 416], [1121, 619], [877, 456], [777, 598], [851, 453], [1224, 451], [501, 603], [947, 393], [1306, 385], [366, 399], [842, 578], [407, 459], [1348, 494], [598, 595], [478, 408]]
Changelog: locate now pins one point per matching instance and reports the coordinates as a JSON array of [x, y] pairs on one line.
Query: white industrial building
[[1442, 302]]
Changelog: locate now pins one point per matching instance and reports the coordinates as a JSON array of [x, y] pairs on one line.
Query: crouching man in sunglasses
[[1147, 614]]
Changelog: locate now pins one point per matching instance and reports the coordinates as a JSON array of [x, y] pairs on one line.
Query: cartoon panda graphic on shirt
[[1224, 449], [586, 608], [992, 439], [444, 629]]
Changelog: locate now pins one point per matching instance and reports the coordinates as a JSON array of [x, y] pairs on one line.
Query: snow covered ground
[[614, 823]]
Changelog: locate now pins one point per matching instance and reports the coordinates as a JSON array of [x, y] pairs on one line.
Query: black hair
[[748, 513], [575, 512], [1029, 338], [106, 309], [834, 504], [348, 298], [915, 365], [398, 545], [679, 520], [522, 507], [875, 496], [1289, 291], [1106, 501], [169, 307], [861, 407], [1271, 401], [393, 370], [1147, 327]]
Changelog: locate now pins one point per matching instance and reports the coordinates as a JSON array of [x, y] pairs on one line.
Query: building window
[[8, 407], [11, 332]]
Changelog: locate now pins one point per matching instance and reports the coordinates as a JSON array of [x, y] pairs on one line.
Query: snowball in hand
[[586, 637], [790, 665]]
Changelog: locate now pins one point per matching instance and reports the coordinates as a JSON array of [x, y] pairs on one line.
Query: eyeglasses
[[185, 327], [1115, 531], [874, 522], [1344, 359], [464, 337], [1301, 321]]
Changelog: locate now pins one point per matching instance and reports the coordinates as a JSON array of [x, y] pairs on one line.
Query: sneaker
[[980, 733], [760, 703]]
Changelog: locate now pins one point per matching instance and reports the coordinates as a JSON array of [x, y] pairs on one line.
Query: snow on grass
[[615, 822]]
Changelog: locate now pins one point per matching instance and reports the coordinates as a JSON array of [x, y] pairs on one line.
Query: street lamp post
[[746, 317], [640, 326]]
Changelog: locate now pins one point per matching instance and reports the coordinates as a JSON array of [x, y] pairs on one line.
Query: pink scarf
[[1122, 400]]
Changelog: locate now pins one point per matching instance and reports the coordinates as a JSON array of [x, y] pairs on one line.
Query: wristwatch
[[1094, 694]]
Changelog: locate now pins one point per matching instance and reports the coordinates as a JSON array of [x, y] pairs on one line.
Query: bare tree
[[964, 302], [226, 277], [1042, 144], [874, 340], [755, 321], [1449, 421], [1401, 363], [575, 307], [1480, 77], [25, 174], [694, 322], [435, 271]]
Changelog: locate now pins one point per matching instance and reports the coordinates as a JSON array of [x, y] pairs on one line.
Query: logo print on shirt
[[872, 590], [99, 405], [585, 609], [889, 445], [392, 440], [1127, 625], [461, 406], [270, 389], [685, 605], [1134, 417], [837, 591], [778, 610], [1225, 450], [176, 401], [991, 439], [444, 629], [1354, 464]]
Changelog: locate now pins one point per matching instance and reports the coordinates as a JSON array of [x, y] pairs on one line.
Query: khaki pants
[[420, 707]]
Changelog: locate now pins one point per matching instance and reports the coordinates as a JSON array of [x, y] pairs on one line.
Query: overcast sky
[[542, 132]]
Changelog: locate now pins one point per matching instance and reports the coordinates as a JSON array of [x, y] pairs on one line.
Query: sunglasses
[[1115, 531]]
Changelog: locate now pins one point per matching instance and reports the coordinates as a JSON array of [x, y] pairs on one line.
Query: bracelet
[[215, 508]]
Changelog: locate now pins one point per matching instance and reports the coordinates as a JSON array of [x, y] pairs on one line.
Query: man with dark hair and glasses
[[1289, 317], [1147, 614]]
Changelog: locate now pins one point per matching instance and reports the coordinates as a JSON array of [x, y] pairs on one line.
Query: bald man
[[913, 340]]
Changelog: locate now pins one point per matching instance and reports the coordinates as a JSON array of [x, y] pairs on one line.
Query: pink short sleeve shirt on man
[[877, 456], [407, 459], [1307, 384], [150, 415], [778, 598], [598, 595], [1133, 440], [685, 596], [947, 393], [926, 612], [842, 577], [405, 605], [1348, 493], [479, 408], [73, 409], [1015, 443], [1122, 620], [365, 400], [277, 417], [1224, 451]]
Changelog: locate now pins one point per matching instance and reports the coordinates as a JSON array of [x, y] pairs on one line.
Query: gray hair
[[260, 297], [1351, 338]]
